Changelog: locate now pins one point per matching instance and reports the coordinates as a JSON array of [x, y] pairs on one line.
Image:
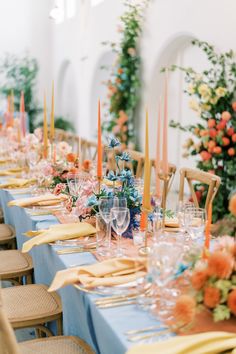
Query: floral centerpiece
[[213, 136]]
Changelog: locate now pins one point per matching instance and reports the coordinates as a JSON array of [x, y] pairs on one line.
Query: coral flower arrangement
[[214, 284], [213, 135]]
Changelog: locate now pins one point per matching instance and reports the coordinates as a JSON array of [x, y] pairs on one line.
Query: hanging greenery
[[124, 83]]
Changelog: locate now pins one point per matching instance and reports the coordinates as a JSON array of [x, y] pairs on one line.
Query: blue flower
[[124, 157], [92, 201], [125, 175], [113, 142], [111, 176]]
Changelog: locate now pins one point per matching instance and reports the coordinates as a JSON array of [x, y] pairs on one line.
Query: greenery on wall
[[20, 74], [124, 83]]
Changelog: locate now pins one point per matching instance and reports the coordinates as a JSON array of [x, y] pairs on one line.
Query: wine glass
[[198, 223], [105, 206], [74, 183], [120, 202], [120, 219]]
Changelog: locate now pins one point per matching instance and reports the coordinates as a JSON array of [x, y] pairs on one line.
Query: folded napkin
[[58, 232], [10, 171], [111, 272], [203, 343], [17, 183], [43, 200]]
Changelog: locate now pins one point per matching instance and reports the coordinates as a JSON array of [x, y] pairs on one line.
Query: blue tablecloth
[[103, 329]]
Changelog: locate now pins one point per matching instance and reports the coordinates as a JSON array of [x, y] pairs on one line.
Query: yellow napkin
[[10, 171], [59, 232], [171, 222], [203, 343], [43, 200], [17, 183], [107, 273]]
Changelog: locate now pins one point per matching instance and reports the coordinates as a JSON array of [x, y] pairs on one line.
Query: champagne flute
[[105, 206], [120, 219]]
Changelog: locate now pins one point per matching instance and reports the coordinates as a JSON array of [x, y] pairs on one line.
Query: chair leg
[[29, 279], [59, 326]]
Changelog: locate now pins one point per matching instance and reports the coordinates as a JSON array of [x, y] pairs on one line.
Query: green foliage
[[212, 139], [221, 312], [20, 74], [61, 123], [124, 84]]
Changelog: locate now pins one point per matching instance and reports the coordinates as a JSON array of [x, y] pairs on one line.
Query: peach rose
[[234, 106], [217, 150], [205, 155], [231, 152], [199, 279], [211, 297], [226, 116], [221, 125], [185, 309], [71, 157], [231, 302], [203, 132], [232, 204], [211, 123], [212, 133], [225, 141], [220, 264], [234, 138], [230, 131]]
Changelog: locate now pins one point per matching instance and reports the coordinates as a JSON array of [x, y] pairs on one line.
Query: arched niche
[[177, 50], [67, 95], [99, 89]]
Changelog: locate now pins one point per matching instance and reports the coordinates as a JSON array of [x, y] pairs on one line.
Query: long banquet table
[[103, 329]]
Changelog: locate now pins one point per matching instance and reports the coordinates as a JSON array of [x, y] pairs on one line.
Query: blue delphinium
[[112, 176], [113, 142]]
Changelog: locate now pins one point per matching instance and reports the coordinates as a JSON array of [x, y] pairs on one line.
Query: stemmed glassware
[[196, 220], [120, 219], [105, 206]]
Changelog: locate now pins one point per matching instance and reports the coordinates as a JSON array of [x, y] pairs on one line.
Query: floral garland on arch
[[213, 136], [123, 86]]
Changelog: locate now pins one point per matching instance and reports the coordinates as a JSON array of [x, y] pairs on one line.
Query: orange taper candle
[[165, 128], [158, 151], [147, 170], [45, 130], [99, 146], [52, 124], [12, 109], [22, 114]]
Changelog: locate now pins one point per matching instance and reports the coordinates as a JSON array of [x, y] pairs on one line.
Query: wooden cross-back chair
[[88, 149], [52, 345], [194, 175], [172, 171], [136, 163]]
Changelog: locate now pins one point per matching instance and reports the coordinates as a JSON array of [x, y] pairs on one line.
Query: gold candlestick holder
[[99, 179], [167, 180]]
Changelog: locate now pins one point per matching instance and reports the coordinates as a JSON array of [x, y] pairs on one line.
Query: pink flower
[[69, 204], [60, 187], [48, 170], [38, 132], [64, 148]]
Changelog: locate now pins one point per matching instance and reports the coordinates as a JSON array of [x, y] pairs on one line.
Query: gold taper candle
[[45, 129], [52, 123], [147, 169]]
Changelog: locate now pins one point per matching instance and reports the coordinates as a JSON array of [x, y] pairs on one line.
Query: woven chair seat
[[30, 305], [1, 216], [13, 264], [7, 233], [56, 345]]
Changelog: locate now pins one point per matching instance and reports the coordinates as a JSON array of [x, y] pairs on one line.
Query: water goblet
[[105, 206], [120, 219]]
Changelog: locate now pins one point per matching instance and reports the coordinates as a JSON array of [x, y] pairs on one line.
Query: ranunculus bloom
[[220, 264], [185, 309], [86, 165], [204, 132], [231, 152], [230, 131], [212, 133], [226, 116], [234, 105], [217, 150], [221, 125], [225, 141], [232, 204], [211, 123], [211, 145], [199, 279], [231, 302], [205, 155], [71, 157], [234, 138], [211, 297]]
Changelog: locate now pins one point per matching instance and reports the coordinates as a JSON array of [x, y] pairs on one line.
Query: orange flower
[[225, 141], [221, 125], [199, 279], [185, 309], [212, 133], [74, 170], [231, 152], [230, 131], [232, 204], [234, 138], [226, 116], [203, 132], [205, 155], [220, 264], [231, 302], [211, 297], [86, 165], [217, 150], [211, 123], [71, 157], [234, 105]]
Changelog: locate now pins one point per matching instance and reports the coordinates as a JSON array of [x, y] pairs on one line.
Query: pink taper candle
[[165, 128], [99, 147], [158, 151], [22, 114]]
